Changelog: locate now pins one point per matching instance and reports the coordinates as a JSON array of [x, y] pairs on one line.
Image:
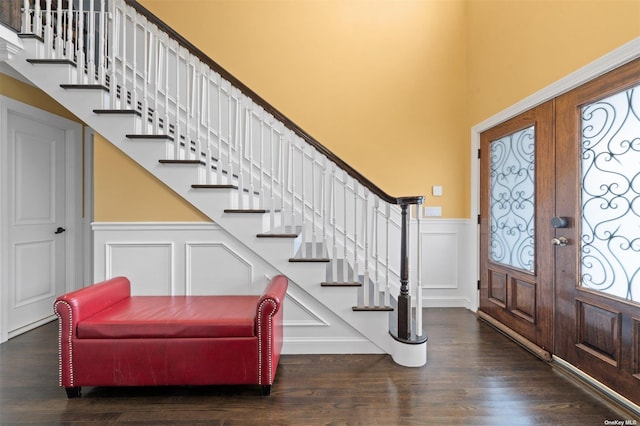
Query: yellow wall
[[125, 192], [380, 83], [519, 47]]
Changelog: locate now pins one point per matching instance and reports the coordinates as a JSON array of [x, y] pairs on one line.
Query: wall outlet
[[436, 191]]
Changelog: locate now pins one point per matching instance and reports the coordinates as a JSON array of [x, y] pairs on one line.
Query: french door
[[597, 274], [517, 175], [560, 227]]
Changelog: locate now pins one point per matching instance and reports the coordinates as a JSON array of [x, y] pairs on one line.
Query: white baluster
[[303, 198], [314, 239], [281, 152], [272, 171], [291, 180], [37, 19], [26, 17], [232, 140], [123, 58], [80, 55], [334, 199], [167, 127], [134, 65], [151, 69], [261, 167], [323, 203], [241, 142], [48, 30], [178, 133], [102, 36], [387, 291], [346, 274], [113, 46], [418, 301], [196, 111], [356, 274], [219, 140], [207, 122], [249, 150], [147, 46], [365, 208], [69, 48], [91, 48], [376, 252]]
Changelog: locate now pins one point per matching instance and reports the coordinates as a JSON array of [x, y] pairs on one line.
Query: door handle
[[559, 241], [60, 230]]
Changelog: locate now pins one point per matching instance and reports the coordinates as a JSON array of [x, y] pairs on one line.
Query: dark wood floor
[[474, 375]]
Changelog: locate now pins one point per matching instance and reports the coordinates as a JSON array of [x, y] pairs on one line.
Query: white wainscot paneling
[[440, 260], [215, 268], [447, 279], [203, 259], [149, 266]]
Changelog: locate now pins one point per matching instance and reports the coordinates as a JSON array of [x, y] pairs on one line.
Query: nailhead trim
[[70, 334], [269, 348]]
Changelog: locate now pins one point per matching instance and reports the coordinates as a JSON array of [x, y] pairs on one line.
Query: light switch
[[436, 191]]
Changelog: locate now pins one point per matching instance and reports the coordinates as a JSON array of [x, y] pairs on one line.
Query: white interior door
[[36, 220]]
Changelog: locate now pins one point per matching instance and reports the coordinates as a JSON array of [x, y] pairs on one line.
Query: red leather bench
[[109, 338]]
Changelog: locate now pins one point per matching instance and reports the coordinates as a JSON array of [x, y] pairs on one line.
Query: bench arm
[[269, 328], [73, 307]]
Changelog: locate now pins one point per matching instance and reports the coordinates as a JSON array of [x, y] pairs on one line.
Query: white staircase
[[236, 159]]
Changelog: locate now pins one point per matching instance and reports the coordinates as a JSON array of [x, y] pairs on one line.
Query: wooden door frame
[[73, 220], [614, 59]]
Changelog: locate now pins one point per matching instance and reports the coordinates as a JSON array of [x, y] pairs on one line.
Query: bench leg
[[74, 392], [266, 390]]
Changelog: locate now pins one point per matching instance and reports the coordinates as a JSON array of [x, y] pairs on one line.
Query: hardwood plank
[[474, 376]]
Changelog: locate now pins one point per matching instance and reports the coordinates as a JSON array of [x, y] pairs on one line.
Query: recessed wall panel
[[149, 266], [439, 260], [214, 268]]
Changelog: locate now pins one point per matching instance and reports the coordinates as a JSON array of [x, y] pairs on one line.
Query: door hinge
[[479, 219], [478, 284], [478, 153]]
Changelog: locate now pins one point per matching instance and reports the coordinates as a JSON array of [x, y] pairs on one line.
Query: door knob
[[60, 230], [559, 241]]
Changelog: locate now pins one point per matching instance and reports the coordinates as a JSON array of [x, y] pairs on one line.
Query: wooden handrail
[[271, 109]]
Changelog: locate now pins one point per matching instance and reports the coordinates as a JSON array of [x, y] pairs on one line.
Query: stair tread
[[341, 284], [282, 232], [246, 211], [31, 35], [186, 161], [85, 87], [52, 62], [372, 308], [214, 186], [117, 111], [141, 136]]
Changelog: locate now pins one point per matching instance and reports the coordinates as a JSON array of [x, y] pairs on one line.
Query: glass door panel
[[610, 234]]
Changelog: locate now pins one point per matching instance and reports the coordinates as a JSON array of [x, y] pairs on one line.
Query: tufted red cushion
[[172, 317]]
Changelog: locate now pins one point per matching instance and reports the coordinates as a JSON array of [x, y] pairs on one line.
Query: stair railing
[[211, 119]]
